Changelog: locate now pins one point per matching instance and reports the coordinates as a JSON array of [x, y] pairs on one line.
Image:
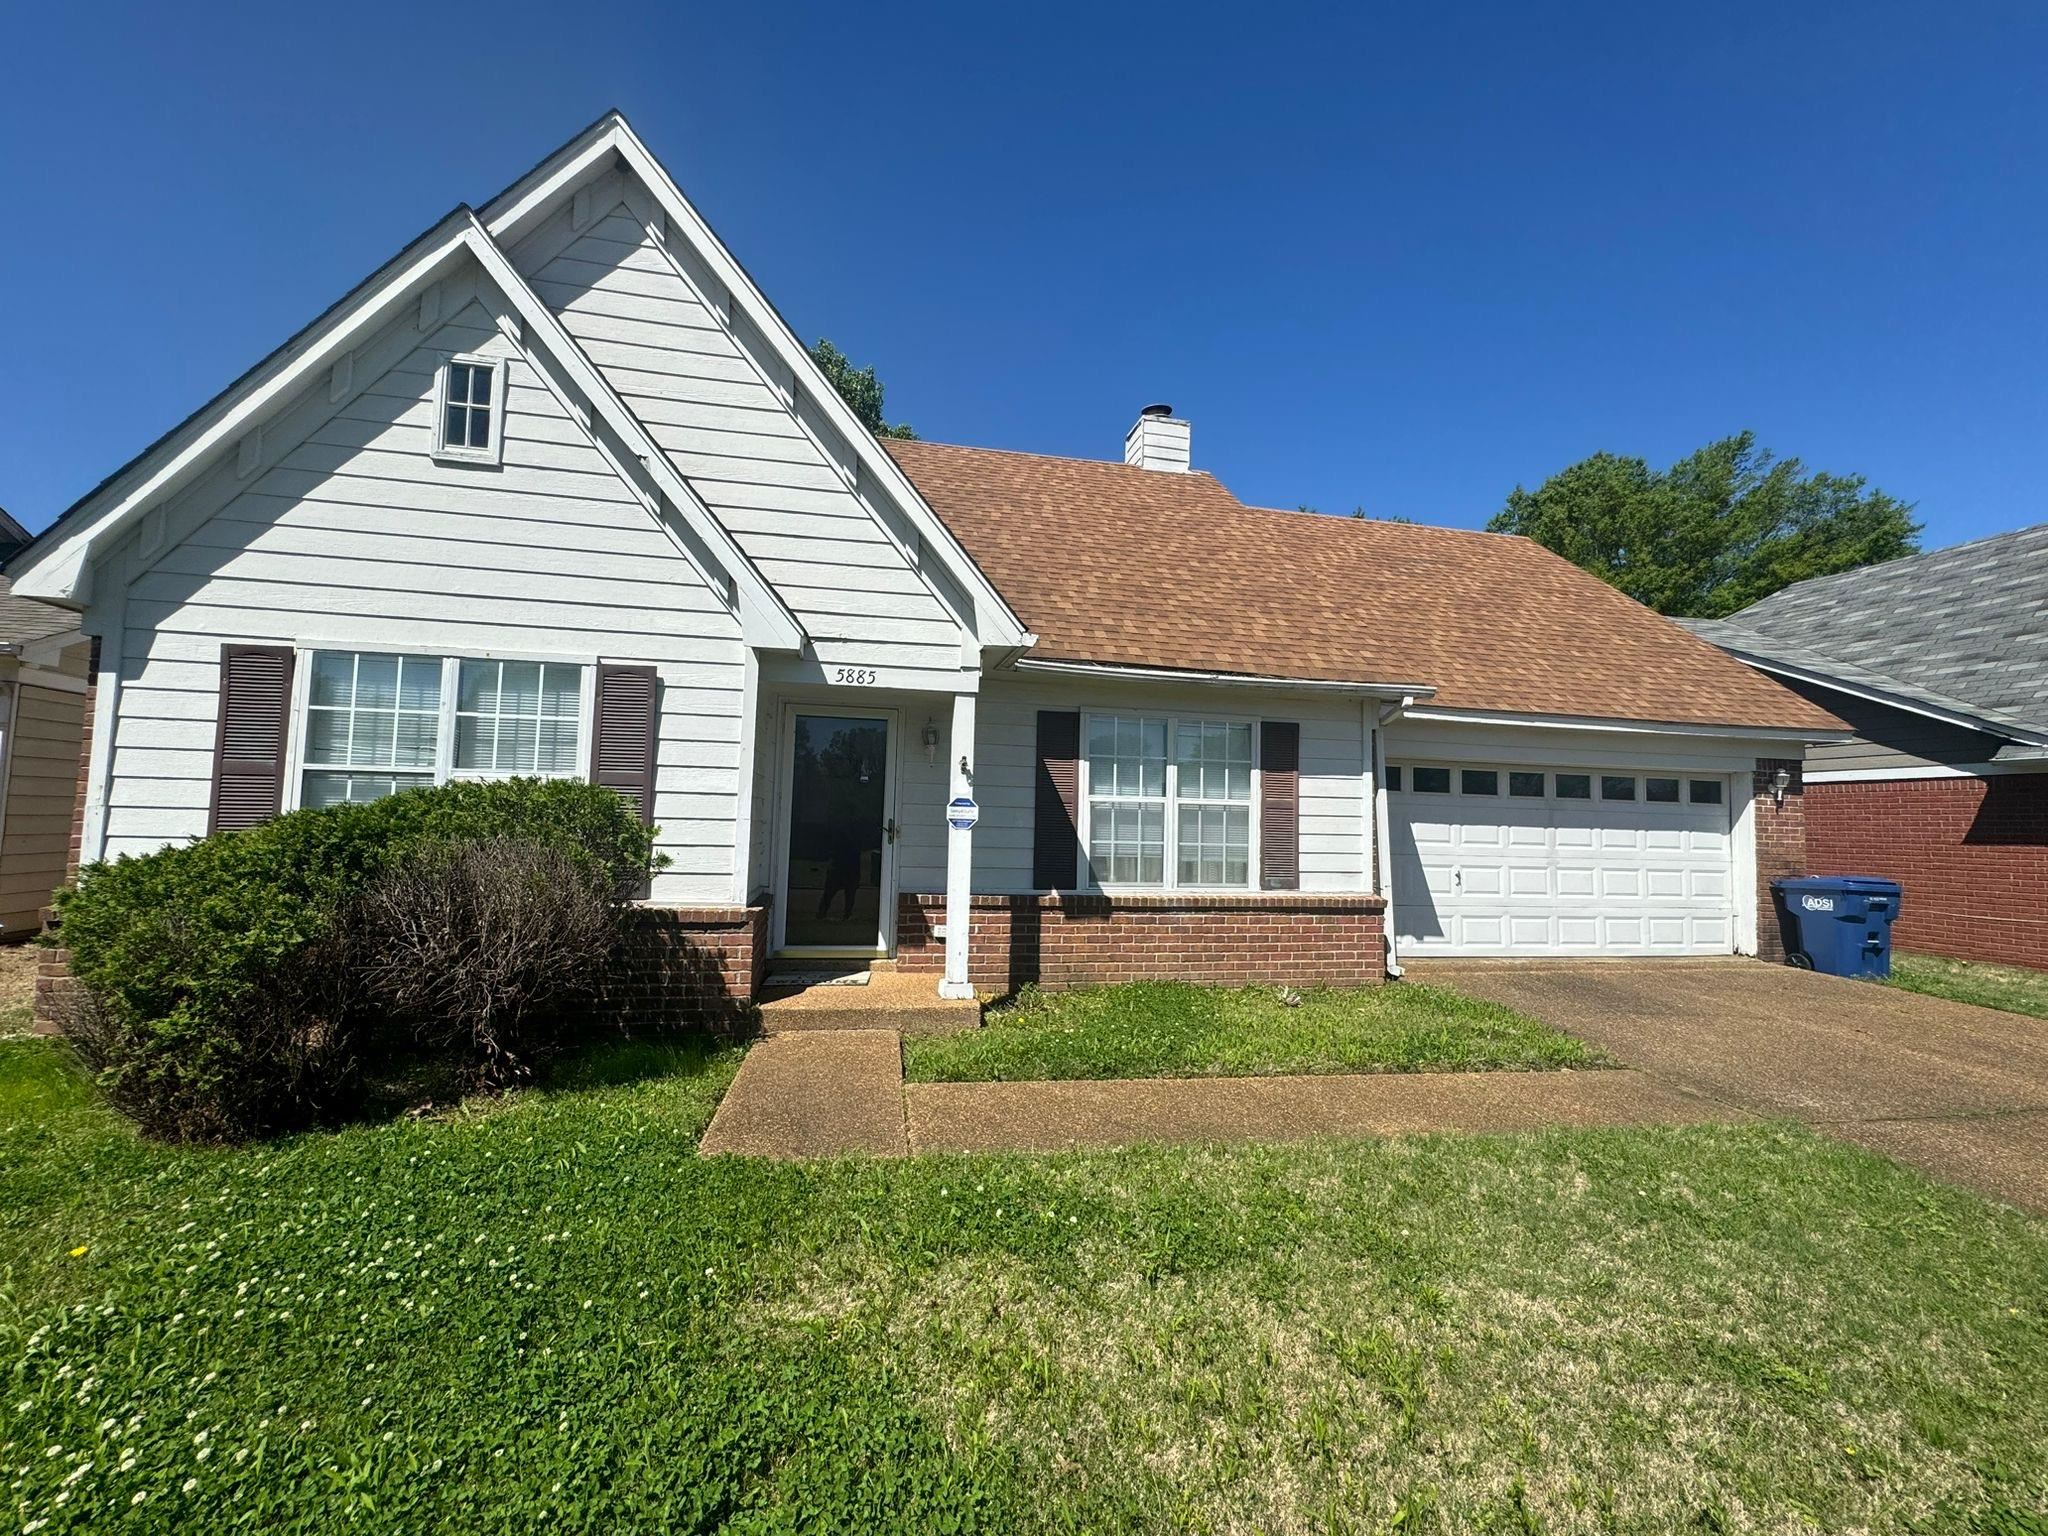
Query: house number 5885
[[862, 676]]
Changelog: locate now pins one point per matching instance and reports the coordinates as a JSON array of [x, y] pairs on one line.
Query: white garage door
[[1500, 861]]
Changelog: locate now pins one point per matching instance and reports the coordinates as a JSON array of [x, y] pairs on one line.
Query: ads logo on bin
[[1818, 903]]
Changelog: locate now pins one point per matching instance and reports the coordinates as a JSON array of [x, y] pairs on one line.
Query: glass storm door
[[833, 896]]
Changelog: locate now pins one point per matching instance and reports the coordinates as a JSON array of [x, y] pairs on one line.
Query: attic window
[[468, 423]]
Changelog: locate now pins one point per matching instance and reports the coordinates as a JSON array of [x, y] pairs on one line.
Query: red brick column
[[1780, 845], [1970, 854], [1092, 940]]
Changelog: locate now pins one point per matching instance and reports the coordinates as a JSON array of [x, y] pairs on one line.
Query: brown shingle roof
[[1135, 567]]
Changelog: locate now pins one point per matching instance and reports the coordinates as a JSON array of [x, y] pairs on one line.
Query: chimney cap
[[1157, 410]]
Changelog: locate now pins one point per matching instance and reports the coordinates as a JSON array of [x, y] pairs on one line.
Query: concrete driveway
[[1960, 1092]]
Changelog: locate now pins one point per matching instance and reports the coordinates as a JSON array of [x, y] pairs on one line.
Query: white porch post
[[959, 848]]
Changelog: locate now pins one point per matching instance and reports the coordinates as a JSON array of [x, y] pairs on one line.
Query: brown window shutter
[[1279, 805], [249, 740], [622, 742], [1056, 838]]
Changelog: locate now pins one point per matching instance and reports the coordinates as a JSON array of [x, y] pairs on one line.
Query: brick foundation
[[1086, 940], [1971, 854], [1780, 846], [679, 965], [688, 963]]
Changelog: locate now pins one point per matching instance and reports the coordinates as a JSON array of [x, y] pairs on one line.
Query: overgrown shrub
[[221, 1001], [482, 951]]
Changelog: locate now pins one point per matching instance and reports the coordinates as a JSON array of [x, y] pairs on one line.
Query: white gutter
[[1230, 679], [1383, 862], [1631, 727]]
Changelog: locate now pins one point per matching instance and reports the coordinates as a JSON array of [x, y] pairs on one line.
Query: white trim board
[[1109, 671], [1775, 734], [1928, 771]]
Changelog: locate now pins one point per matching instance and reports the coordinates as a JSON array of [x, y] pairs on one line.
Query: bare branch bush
[[485, 950]]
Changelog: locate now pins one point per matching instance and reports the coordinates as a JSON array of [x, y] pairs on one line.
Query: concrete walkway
[[828, 1093], [814, 1093], [1052, 1116], [1958, 1091]]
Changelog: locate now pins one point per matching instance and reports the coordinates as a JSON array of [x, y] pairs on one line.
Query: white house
[[557, 491]]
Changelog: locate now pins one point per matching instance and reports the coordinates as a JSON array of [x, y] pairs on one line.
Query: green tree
[[1720, 529], [858, 387]]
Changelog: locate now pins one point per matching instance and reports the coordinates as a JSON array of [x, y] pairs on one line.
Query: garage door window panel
[[1574, 786], [1617, 787], [1432, 781]]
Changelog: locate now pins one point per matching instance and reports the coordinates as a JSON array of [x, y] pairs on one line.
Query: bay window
[[376, 723], [1151, 774]]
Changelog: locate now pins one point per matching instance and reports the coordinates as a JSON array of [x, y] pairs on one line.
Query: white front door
[[1560, 861], [836, 877]]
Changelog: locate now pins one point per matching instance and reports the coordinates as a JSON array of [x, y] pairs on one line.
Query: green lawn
[[1172, 1029], [1973, 981], [549, 1311]]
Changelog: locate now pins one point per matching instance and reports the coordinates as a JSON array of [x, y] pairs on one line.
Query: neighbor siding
[[42, 779], [732, 432], [357, 539]]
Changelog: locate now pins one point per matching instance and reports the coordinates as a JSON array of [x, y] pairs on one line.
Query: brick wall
[[1079, 940], [684, 964], [1780, 846], [1972, 855]]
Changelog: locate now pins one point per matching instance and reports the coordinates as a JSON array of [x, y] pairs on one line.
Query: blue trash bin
[[1840, 924]]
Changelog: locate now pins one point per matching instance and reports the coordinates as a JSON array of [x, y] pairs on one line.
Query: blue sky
[[1398, 257]]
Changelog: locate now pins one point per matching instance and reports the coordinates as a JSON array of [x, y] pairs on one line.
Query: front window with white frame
[[376, 722], [1155, 778], [469, 420]]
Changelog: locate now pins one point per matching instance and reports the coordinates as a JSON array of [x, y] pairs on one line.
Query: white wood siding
[[731, 431], [357, 539]]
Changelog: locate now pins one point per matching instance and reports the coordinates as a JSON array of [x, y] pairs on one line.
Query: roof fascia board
[[1108, 670], [1968, 721], [766, 620], [1925, 771], [996, 623], [1627, 727], [61, 573]]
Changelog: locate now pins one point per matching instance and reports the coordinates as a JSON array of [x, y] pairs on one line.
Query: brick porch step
[[908, 1003]]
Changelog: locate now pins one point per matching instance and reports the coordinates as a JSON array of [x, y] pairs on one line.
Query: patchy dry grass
[[2010, 987], [18, 963], [556, 1314], [1174, 1029]]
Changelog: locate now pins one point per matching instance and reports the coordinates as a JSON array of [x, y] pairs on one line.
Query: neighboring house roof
[[1115, 565], [1961, 633], [23, 620]]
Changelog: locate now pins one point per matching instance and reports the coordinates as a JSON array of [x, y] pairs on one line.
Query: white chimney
[[1158, 441]]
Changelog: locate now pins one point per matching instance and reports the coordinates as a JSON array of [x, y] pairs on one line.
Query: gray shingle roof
[[23, 620], [1963, 629]]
